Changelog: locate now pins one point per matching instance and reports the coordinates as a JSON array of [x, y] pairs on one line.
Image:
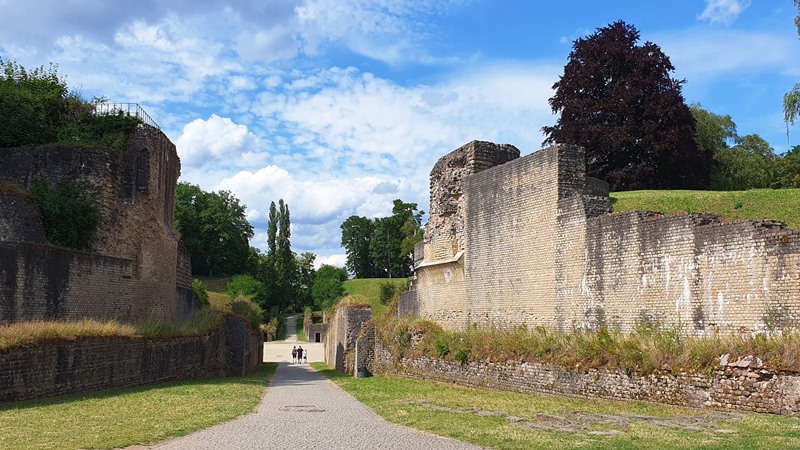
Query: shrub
[[201, 292], [243, 306], [248, 286], [69, 216], [390, 290]]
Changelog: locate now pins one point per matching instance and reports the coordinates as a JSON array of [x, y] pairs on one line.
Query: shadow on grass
[[260, 376]]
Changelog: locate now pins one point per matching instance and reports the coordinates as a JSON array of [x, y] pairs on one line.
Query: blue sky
[[341, 106]]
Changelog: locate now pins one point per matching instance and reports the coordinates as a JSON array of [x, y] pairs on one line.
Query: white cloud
[[377, 122], [336, 260], [723, 11], [728, 52], [217, 139]]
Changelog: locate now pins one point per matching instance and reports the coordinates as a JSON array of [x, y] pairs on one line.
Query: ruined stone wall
[[444, 232], [344, 329], [92, 363], [540, 249], [729, 387], [135, 191]]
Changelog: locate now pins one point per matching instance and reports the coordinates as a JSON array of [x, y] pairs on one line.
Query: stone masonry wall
[[93, 363], [540, 249], [41, 282], [444, 231], [344, 329], [731, 387], [20, 220], [135, 191]]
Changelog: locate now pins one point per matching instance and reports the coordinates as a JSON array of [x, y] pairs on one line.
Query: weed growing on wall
[[649, 349], [201, 292], [69, 215]]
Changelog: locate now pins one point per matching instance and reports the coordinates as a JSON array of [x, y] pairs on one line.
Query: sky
[[341, 106]]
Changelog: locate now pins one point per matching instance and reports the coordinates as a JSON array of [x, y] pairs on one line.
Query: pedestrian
[[300, 354], [294, 354], [305, 355]]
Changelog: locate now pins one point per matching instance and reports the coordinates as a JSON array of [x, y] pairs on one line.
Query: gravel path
[[302, 409]]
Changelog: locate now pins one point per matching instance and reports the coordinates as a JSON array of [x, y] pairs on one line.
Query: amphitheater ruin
[[532, 241]]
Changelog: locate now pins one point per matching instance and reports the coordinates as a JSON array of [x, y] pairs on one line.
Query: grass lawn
[[369, 289], [507, 420], [118, 418], [756, 204]]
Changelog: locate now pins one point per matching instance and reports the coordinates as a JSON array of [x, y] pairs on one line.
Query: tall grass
[[26, 333], [200, 322], [650, 349]]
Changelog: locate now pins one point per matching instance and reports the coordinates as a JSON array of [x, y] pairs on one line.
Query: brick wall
[[730, 387], [40, 282], [93, 363], [539, 248]]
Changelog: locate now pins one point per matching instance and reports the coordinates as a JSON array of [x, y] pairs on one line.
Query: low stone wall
[[94, 363], [732, 387]]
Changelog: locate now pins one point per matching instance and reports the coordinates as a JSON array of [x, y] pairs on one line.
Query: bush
[[69, 216], [390, 290], [36, 108], [248, 286], [201, 292], [243, 306]]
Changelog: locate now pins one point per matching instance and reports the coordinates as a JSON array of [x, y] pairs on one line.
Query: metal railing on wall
[[129, 109]]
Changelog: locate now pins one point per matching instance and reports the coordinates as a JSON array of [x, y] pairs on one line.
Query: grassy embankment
[[756, 204]]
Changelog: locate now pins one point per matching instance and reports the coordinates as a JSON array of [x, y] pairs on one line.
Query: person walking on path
[[299, 398]]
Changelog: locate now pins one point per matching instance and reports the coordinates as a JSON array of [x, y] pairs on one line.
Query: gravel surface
[[302, 409]]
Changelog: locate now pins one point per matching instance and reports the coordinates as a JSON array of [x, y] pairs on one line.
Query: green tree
[[356, 235], [248, 286], [618, 101], [305, 280], [791, 101], [383, 247], [328, 286], [712, 131], [747, 165], [279, 269], [787, 170], [285, 267], [214, 228]]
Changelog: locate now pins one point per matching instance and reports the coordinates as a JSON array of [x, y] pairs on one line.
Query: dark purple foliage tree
[[618, 101]]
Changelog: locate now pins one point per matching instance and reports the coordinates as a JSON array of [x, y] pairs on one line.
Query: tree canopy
[[791, 101], [383, 247], [214, 229], [328, 286], [616, 99]]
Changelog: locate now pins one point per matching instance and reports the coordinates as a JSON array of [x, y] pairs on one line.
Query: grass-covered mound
[[755, 204]]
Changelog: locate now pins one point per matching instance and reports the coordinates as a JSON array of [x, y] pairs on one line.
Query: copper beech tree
[[616, 99]]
